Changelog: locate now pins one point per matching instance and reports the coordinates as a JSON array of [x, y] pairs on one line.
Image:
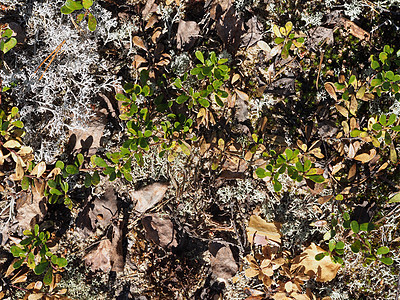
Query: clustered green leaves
[[359, 241], [213, 72], [290, 163], [70, 6], [10, 126], [286, 39], [7, 42], [34, 252], [387, 79]]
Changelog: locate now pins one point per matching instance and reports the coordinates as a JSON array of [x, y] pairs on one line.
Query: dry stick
[[54, 54]]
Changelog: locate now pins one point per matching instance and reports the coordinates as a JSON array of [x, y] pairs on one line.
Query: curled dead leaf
[[39, 169], [330, 88], [138, 42]]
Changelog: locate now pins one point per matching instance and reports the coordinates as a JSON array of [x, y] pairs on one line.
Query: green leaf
[[18, 263], [25, 183], [382, 250], [92, 23], [18, 124], [316, 178], [366, 227], [346, 216], [383, 57], [100, 162], [204, 102], [87, 3], [55, 192], [200, 56], [339, 245], [395, 198], [299, 166], [60, 164], [355, 227], [61, 262], [95, 178], [80, 159], [319, 256], [36, 230], [182, 98], [8, 45], [377, 127], [386, 260], [73, 5], [277, 186], [356, 246], [389, 75], [352, 79], [41, 267], [375, 82], [375, 64], [261, 173], [31, 260], [396, 128], [48, 278], [16, 251], [382, 120], [71, 169], [88, 180], [332, 245]]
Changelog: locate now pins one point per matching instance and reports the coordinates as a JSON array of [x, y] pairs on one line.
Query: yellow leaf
[[288, 27], [393, 153], [12, 144], [275, 29], [361, 92], [261, 227], [330, 88], [324, 270]]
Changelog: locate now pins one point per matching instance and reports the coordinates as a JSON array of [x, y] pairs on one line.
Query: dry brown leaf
[[261, 227], [138, 42], [160, 230], [353, 123], [343, 111], [223, 264], [330, 88], [39, 169], [153, 20], [235, 78], [363, 157], [53, 173], [149, 196], [99, 258], [351, 152], [264, 46], [187, 35], [352, 172], [35, 296], [12, 144], [324, 199], [353, 105], [19, 279], [355, 30], [138, 61], [324, 270], [242, 95]]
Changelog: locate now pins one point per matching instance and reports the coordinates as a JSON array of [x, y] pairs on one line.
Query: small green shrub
[[70, 6], [34, 252]]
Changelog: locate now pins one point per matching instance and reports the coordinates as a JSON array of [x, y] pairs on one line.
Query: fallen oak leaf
[[258, 226], [324, 270]]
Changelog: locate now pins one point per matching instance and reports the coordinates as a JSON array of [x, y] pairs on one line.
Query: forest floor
[[219, 149]]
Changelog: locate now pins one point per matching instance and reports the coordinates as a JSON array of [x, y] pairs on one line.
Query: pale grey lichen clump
[[60, 101]]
